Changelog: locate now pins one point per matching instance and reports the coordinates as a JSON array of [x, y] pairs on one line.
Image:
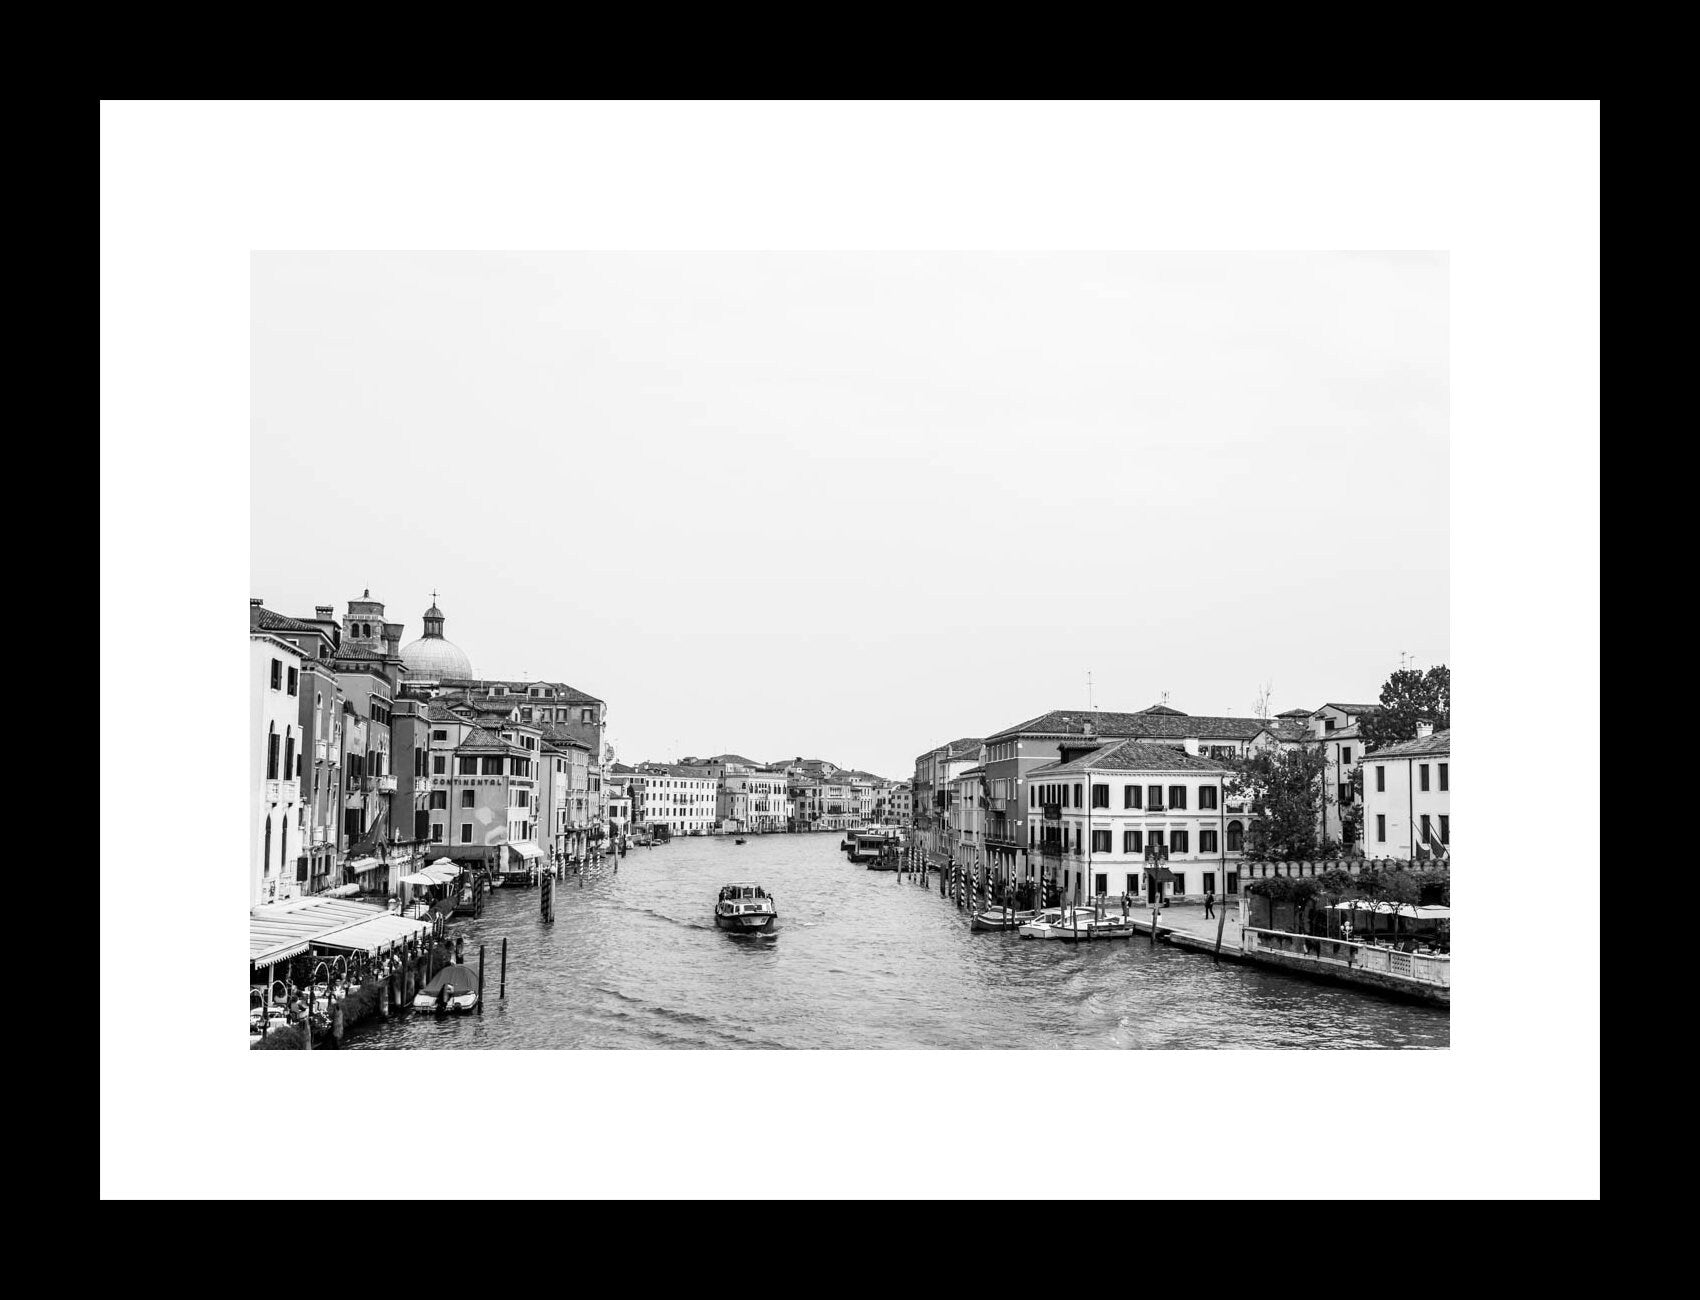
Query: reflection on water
[[858, 960]]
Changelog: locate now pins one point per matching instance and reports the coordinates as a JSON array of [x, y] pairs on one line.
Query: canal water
[[858, 961]]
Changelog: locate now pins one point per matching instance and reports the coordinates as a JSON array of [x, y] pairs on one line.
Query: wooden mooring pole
[[504, 987], [1221, 921], [480, 979]]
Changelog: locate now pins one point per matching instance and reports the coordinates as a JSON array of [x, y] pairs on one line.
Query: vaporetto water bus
[[746, 908]]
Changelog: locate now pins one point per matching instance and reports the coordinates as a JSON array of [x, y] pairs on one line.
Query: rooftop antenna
[[1090, 706], [1404, 660], [1165, 699]]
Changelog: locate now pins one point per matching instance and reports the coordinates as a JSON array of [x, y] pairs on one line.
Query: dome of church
[[434, 657]]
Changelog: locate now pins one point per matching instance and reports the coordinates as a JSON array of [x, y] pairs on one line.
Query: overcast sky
[[851, 506]]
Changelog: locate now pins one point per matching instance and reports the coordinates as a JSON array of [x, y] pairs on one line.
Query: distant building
[[682, 799]]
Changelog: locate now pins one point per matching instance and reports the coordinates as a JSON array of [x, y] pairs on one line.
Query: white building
[[683, 799], [275, 813], [1095, 816], [1407, 797]]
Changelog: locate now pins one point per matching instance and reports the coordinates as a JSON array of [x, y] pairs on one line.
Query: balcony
[[1051, 850], [1053, 812], [320, 749], [1001, 833], [1157, 810], [385, 784], [283, 791]]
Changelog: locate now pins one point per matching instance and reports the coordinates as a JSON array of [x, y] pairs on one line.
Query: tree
[[1281, 789], [1352, 812], [1260, 703], [1408, 697]]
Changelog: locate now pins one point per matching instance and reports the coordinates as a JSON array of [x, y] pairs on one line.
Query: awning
[[526, 851], [277, 931], [440, 873], [370, 936], [341, 891], [418, 879], [359, 866]]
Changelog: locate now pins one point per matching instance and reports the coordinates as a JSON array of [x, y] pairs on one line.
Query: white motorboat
[[1039, 926], [745, 908]]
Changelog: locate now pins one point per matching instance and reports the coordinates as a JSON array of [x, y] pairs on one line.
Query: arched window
[[271, 752], [266, 858], [288, 753], [1236, 837]]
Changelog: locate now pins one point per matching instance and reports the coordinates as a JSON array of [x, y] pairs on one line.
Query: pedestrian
[[1210, 902]]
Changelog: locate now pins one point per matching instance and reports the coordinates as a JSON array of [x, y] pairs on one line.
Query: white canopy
[[526, 850], [418, 879], [370, 936]]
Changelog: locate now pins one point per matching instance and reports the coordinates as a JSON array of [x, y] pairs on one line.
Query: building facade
[[1408, 799], [276, 815], [1100, 812]]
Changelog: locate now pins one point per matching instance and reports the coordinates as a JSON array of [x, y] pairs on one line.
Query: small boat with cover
[[452, 989]]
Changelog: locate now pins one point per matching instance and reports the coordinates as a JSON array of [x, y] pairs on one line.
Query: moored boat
[[452, 989], [1039, 925], [745, 908], [997, 919]]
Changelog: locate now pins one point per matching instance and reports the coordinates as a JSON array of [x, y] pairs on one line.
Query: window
[[1380, 778], [1381, 828], [277, 674], [1328, 724], [439, 764], [1426, 837], [436, 833], [1155, 802], [1133, 841], [1132, 882], [271, 754], [1032, 796], [1207, 843], [294, 681], [1156, 839], [1179, 840], [1206, 796], [1102, 885], [289, 756], [1077, 794], [1180, 882], [440, 798], [1345, 792], [1132, 796], [421, 824], [1177, 796], [1445, 829], [1445, 782], [1236, 837], [587, 715], [466, 832], [468, 765], [1422, 776], [491, 765], [468, 798], [1100, 841], [1100, 796], [1346, 754], [439, 734], [1210, 882]]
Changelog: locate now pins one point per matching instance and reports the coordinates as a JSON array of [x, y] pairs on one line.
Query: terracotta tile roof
[[1439, 743], [1128, 756], [1137, 726], [1353, 708], [268, 620], [1164, 709], [736, 758], [483, 741]]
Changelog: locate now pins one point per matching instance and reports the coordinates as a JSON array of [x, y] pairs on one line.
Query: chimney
[[392, 640], [1425, 730], [324, 613], [1087, 729], [254, 602]]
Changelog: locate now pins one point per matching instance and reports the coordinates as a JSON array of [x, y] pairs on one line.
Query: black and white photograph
[[960, 660]]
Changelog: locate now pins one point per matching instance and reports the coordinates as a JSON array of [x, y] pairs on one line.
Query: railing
[[386, 784], [280, 791], [1424, 968], [1001, 834], [1053, 812]]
